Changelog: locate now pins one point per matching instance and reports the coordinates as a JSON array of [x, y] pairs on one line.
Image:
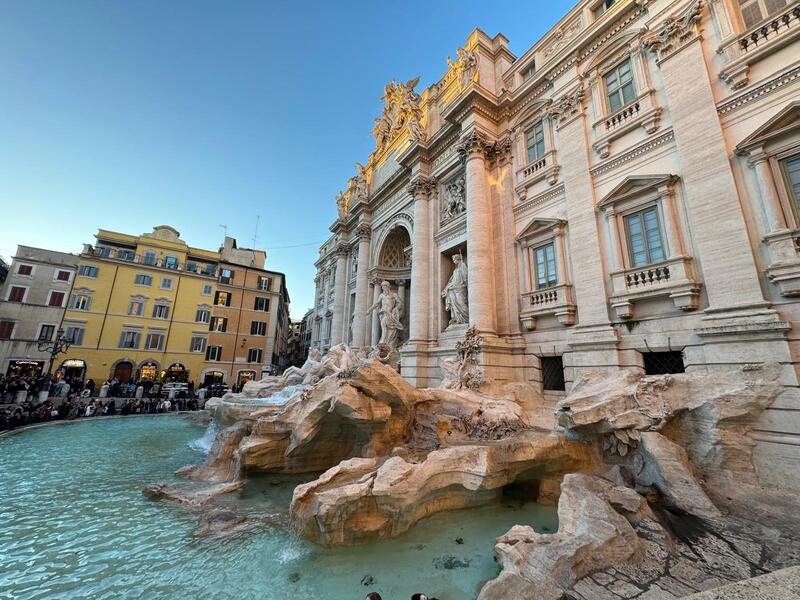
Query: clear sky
[[126, 115]]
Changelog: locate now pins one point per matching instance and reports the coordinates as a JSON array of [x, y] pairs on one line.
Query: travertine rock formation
[[592, 534], [364, 500]]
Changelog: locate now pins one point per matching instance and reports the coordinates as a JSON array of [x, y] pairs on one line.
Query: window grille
[[553, 373], [663, 363]]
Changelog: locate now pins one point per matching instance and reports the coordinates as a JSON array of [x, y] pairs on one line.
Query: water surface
[[74, 524]]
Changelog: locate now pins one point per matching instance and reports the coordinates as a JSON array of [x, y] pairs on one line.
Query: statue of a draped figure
[[390, 311], [455, 293]]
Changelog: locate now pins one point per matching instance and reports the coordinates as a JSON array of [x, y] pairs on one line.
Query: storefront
[[73, 369], [148, 371], [244, 377], [175, 372], [25, 368], [213, 378]]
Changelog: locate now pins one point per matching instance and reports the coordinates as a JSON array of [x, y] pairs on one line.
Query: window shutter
[[228, 299], [224, 323]]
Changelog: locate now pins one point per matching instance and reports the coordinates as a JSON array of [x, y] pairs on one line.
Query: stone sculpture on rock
[[455, 292], [390, 312]]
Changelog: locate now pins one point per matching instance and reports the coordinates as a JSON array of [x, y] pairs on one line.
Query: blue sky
[[126, 115]]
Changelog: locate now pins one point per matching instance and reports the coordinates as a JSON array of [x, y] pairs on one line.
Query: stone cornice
[[756, 93], [633, 153], [539, 199]]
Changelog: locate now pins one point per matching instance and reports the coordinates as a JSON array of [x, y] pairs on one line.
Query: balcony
[[784, 267], [673, 277], [556, 300], [168, 263], [743, 51], [542, 168], [642, 112]]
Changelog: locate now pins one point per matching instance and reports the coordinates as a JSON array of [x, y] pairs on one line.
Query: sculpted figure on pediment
[[464, 67], [401, 108]]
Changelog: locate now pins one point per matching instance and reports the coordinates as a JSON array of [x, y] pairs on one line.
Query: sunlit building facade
[[624, 194]]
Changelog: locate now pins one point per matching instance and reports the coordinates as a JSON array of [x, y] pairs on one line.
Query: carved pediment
[[786, 121], [636, 185], [537, 225]]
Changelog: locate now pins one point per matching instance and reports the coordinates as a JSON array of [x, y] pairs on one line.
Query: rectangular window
[[166, 283], [620, 89], [645, 244], [198, 344], [171, 262], [663, 363], [25, 270], [149, 258], [161, 311], [56, 299], [258, 328], [142, 279], [103, 251], [128, 255], [545, 261], [16, 293], [136, 308], [552, 373], [529, 72], [254, 355], [265, 283], [63, 275], [222, 299], [6, 330], [207, 289], [603, 7], [46, 333], [81, 302], [129, 339], [534, 141], [203, 315], [261, 304], [154, 341], [755, 11], [88, 271], [226, 276], [791, 167], [74, 334], [218, 324], [214, 353]]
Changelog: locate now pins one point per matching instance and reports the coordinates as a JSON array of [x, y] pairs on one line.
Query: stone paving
[[694, 556]]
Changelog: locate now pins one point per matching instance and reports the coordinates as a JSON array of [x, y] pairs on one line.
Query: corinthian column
[[421, 189], [480, 285], [340, 289], [362, 287]]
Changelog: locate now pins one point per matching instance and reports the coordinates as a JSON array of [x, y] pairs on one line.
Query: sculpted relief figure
[[401, 108], [454, 203], [341, 204], [455, 293], [390, 311], [465, 66]]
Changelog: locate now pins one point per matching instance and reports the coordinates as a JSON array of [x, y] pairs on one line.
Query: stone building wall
[[662, 184]]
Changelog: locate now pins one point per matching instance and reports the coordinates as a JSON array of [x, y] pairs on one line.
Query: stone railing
[[771, 30], [544, 167], [642, 112], [740, 52], [556, 300], [625, 114], [673, 277]]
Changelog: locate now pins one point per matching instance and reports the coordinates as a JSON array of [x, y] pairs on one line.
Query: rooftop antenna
[[255, 233], [225, 228]]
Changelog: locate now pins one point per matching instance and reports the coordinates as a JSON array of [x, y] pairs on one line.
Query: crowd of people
[[377, 596], [21, 400]]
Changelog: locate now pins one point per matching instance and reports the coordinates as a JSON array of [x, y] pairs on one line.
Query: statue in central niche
[[455, 293], [390, 311]]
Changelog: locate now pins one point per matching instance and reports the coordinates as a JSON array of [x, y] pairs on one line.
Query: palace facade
[[625, 194]]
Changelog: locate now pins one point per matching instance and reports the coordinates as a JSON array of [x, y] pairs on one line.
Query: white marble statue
[[295, 375], [455, 293], [390, 311]]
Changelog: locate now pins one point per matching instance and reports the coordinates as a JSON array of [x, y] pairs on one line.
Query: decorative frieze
[[567, 106], [675, 32], [454, 201]]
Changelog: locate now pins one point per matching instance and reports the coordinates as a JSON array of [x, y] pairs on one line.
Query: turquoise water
[[74, 524]]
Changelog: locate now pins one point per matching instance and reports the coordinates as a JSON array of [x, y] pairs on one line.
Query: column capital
[[568, 105], [674, 32], [421, 187], [474, 145], [341, 250], [363, 231]]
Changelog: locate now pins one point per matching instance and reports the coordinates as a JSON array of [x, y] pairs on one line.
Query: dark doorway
[[123, 371]]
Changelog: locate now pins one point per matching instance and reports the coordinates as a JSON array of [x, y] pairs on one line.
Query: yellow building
[[140, 308]]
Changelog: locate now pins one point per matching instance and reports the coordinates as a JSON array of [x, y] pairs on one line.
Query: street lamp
[[58, 345]]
